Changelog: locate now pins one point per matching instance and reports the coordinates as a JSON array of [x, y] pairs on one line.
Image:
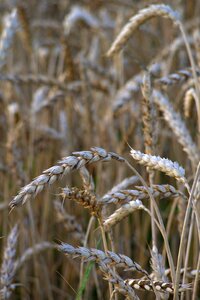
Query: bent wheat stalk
[[184, 231]]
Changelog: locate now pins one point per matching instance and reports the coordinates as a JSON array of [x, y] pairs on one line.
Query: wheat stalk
[[190, 273], [24, 21]]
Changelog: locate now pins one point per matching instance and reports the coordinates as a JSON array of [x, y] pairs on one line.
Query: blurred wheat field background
[[99, 149]]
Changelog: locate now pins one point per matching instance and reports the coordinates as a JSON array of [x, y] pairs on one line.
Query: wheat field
[[99, 150]]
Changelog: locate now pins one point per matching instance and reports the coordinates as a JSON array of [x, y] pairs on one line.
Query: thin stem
[[153, 227], [111, 238], [183, 235], [91, 221], [169, 223], [186, 258], [196, 281], [193, 71], [105, 245], [163, 232]]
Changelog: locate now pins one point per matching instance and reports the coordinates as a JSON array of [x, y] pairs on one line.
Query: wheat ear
[[84, 198], [140, 192], [10, 28], [109, 258], [178, 126], [120, 285], [164, 287], [131, 87], [63, 167], [161, 164], [8, 265], [30, 252], [175, 78], [189, 96], [137, 20], [40, 80], [121, 213]]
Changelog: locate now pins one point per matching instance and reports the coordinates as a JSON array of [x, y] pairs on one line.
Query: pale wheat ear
[[8, 264], [123, 196], [160, 286], [10, 28], [178, 126], [164, 165], [63, 167], [137, 20]]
